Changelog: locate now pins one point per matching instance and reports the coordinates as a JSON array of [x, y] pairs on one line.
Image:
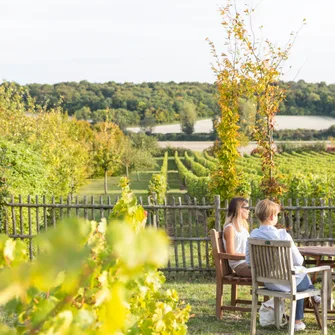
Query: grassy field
[[200, 294], [95, 187]]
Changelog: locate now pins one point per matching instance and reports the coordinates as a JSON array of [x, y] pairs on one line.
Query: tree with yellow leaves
[[249, 70]]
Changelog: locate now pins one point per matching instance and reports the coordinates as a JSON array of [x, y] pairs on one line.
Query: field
[[304, 175], [95, 187]]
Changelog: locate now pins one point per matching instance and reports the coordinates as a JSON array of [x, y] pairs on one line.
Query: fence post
[[154, 212], [217, 212]]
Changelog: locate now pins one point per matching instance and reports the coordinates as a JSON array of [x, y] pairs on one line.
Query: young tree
[[144, 142], [148, 124], [143, 160], [251, 72], [136, 159], [107, 148], [188, 117], [127, 156]]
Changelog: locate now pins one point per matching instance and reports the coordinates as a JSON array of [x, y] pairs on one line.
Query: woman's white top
[[240, 241]]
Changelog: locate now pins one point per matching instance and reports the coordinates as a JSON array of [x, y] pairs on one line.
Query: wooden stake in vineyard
[[250, 70]]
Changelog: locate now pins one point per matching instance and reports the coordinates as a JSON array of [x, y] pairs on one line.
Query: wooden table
[[318, 253]]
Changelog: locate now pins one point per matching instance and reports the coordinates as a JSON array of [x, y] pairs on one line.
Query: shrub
[[158, 182], [185, 137], [301, 147], [172, 150]]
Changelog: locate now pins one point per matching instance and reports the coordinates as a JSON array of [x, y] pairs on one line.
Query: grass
[[95, 187], [138, 183], [200, 294], [175, 185]]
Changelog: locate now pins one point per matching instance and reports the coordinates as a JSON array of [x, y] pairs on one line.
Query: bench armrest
[[231, 257], [314, 269]]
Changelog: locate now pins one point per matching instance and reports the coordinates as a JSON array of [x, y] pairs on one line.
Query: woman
[[235, 234]]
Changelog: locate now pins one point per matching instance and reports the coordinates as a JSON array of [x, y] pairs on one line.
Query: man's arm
[[247, 254], [298, 259]]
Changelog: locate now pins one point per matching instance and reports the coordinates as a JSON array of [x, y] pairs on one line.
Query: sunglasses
[[246, 207]]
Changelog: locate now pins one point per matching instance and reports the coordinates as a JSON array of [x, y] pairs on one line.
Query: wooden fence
[[186, 221]]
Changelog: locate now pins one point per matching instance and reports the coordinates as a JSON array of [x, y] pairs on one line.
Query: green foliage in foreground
[[91, 278]]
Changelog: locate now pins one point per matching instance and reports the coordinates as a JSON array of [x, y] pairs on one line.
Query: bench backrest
[[271, 262], [221, 265]]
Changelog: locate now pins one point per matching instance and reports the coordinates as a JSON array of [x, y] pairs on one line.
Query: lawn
[[200, 294], [138, 183]]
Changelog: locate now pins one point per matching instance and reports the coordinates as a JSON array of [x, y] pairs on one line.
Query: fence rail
[[185, 221]]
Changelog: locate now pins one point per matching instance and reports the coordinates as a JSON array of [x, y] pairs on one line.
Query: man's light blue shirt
[[272, 233]]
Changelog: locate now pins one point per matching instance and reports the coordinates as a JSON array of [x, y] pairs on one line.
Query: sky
[[51, 41]]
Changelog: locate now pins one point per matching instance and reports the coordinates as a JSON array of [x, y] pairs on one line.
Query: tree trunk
[[270, 140], [127, 171], [105, 182], [138, 176]]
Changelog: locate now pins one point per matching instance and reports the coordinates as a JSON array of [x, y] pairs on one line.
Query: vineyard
[[303, 175], [187, 220]]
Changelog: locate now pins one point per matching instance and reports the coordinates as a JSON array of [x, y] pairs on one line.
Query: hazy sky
[[49, 41]]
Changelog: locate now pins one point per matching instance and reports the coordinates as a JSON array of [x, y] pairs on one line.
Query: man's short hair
[[265, 208]]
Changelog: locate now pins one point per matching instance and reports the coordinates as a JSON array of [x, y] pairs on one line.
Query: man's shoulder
[[283, 234], [254, 232]]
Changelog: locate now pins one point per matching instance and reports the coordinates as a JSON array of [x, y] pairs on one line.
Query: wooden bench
[[226, 278], [272, 262]]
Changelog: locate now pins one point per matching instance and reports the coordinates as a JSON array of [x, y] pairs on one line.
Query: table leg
[[330, 291], [317, 263]]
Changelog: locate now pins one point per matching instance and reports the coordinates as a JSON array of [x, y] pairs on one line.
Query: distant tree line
[[130, 104], [309, 99], [153, 103]]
